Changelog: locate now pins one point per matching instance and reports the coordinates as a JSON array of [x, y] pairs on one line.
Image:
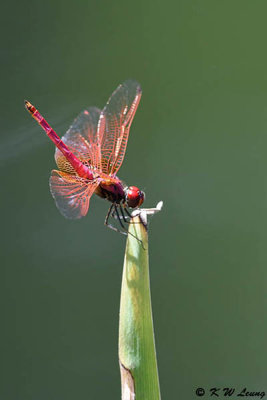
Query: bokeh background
[[198, 142]]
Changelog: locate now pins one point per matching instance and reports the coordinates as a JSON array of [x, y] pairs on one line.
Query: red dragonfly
[[90, 154]]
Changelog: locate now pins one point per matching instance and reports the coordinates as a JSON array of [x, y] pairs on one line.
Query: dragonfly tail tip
[[29, 106]]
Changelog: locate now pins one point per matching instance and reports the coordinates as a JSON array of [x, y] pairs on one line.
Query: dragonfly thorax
[[111, 189], [134, 197]]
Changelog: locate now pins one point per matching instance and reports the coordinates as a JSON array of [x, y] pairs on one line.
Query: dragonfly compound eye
[[134, 197]]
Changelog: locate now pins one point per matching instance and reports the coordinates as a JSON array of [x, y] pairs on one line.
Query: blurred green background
[[198, 142]]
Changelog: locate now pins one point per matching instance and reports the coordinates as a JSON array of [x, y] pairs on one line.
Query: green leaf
[[137, 353]]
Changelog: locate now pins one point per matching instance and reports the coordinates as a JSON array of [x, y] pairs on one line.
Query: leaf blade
[[137, 353]]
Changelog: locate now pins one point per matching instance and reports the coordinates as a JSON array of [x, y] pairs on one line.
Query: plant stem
[[137, 353]]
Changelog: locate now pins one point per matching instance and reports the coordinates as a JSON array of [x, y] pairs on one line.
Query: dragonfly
[[91, 153]]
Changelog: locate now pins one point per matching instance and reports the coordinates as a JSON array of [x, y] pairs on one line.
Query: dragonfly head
[[134, 196]]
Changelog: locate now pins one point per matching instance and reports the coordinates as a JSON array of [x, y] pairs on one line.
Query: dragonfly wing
[[83, 140], [114, 124], [71, 193]]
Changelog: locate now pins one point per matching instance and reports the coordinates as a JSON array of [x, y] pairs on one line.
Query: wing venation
[[71, 193], [114, 124], [82, 138]]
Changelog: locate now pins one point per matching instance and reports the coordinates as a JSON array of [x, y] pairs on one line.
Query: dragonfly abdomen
[[82, 170]]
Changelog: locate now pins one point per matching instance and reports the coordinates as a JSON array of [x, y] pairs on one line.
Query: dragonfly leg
[[127, 212], [119, 217], [130, 216], [123, 227], [123, 215], [108, 214], [127, 216], [111, 212], [116, 215]]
